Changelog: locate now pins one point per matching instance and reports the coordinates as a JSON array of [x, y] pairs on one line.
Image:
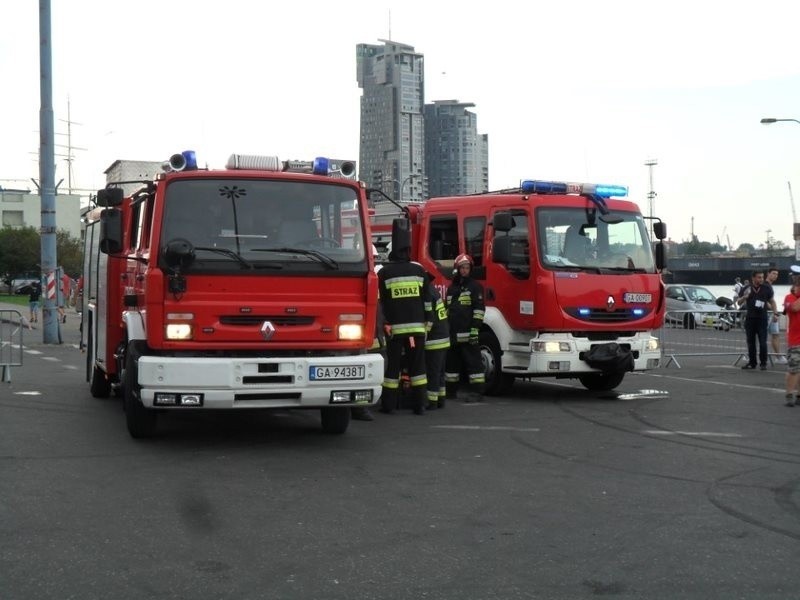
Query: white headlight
[[179, 331], [351, 331]]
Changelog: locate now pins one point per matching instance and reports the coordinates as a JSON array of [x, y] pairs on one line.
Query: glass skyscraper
[[410, 150], [392, 142], [456, 155]]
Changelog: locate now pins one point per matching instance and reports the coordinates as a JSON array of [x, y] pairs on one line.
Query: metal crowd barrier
[[710, 334], [11, 326]]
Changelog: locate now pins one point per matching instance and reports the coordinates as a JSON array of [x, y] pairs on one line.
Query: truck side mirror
[[401, 234], [501, 250], [110, 196], [503, 221], [111, 231], [660, 230], [661, 256]]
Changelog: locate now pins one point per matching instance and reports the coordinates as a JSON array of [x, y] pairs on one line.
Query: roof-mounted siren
[[533, 186], [345, 169], [185, 161]]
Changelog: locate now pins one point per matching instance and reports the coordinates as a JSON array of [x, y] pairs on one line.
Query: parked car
[[22, 287], [684, 300]]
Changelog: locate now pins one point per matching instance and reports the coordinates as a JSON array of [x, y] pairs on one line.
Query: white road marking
[[51, 358], [27, 393], [482, 428], [696, 433]]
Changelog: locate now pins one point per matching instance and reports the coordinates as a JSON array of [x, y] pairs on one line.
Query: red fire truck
[[572, 283], [232, 289]]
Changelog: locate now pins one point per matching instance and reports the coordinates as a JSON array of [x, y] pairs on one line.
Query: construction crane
[[791, 199]]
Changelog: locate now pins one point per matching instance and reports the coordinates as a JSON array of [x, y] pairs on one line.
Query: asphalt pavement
[[681, 483]]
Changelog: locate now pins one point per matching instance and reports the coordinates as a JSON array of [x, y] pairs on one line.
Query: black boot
[[388, 401], [361, 413], [419, 400]]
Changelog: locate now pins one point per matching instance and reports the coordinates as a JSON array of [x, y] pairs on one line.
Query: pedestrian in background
[[774, 328], [758, 299], [34, 297], [737, 287], [66, 291], [465, 309], [791, 307]]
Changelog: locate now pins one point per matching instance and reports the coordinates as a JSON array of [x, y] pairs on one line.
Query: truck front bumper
[[275, 382], [560, 355]]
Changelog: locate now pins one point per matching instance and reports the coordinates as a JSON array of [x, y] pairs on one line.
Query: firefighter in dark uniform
[[403, 288], [362, 413], [436, 344], [465, 308]]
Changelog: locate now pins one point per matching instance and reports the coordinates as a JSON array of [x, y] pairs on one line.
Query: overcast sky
[[569, 90]]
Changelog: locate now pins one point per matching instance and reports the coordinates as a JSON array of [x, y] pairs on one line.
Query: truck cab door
[[510, 268]]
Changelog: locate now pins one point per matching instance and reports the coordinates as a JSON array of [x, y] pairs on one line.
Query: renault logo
[[267, 330], [610, 303]]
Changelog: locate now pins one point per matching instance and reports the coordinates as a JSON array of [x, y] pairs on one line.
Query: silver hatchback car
[[691, 306]]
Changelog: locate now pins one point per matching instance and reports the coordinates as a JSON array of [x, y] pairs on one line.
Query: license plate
[[646, 298], [336, 372]]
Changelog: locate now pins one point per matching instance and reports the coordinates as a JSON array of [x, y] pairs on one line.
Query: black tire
[[497, 382], [141, 421], [689, 321], [601, 382], [99, 387], [335, 420]]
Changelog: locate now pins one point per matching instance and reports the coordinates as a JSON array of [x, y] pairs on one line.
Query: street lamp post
[[795, 226], [770, 120], [401, 185]]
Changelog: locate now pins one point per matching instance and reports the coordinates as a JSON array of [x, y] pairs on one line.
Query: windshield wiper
[[226, 252], [323, 258]]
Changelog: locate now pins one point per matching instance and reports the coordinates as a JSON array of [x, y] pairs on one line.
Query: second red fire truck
[[572, 282]]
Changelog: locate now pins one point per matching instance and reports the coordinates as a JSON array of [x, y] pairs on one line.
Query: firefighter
[[403, 289], [436, 344], [362, 413], [465, 308]]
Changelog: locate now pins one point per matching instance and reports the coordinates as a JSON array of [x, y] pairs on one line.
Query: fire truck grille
[[277, 320], [265, 396], [262, 379], [600, 315]]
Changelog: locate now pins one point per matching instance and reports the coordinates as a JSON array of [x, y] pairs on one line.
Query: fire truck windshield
[[258, 224], [571, 237]]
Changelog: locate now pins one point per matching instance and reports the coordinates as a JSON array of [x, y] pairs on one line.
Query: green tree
[[20, 250], [69, 251]]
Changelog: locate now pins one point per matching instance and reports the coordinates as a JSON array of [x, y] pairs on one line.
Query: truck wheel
[[335, 420], [601, 382], [497, 382], [99, 387], [141, 421]]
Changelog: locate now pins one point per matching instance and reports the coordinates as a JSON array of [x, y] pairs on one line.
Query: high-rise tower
[[392, 141], [456, 155]]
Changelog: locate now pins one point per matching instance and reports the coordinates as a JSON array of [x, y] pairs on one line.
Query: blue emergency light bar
[[535, 186]]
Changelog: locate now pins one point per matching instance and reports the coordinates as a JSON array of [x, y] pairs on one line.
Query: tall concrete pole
[[651, 195], [47, 177]]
